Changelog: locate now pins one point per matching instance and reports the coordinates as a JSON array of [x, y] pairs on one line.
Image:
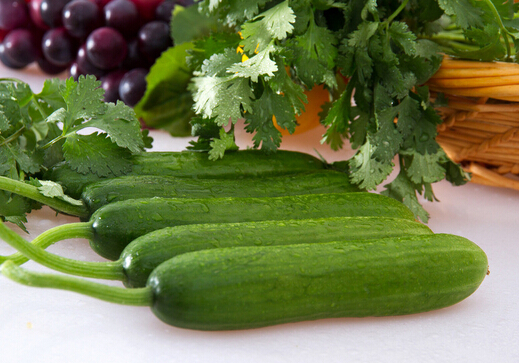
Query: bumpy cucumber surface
[[235, 165], [116, 224], [145, 253], [251, 287], [146, 186]]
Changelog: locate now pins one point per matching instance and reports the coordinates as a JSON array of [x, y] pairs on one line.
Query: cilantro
[[386, 50], [67, 121]]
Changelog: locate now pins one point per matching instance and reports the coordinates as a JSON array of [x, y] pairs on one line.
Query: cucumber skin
[[146, 186], [116, 224], [252, 287], [145, 253], [235, 165]]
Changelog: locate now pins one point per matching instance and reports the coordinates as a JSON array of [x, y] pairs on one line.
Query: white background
[[43, 325]]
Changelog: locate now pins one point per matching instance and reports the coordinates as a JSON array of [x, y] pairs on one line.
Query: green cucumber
[[145, 253], [98, 194], [106, 191], [251, 287], [189, 164], [115, 225], [112, 227]]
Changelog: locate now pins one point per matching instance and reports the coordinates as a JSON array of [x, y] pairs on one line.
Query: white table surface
[[45, 325]]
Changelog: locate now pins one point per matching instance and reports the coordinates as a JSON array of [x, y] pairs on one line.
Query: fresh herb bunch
[[68, 122], [385, 49]]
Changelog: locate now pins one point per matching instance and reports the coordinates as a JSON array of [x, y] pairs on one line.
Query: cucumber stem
[[32, 192], [101, 270], [142, 296], [53, 235]]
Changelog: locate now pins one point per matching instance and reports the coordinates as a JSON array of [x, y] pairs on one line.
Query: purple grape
[[133, 86], [58, 46], [13, 14], [164, 11], [35, 14], [110, 83], [49, 68], [20, 48], [80, 17], [106, 48], [6, 61], [83, 66], [134, 58], [123, 16], [154, 38], [51, 12]]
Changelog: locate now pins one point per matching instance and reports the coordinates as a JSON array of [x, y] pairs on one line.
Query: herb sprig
[[386, 49], [68, 122]]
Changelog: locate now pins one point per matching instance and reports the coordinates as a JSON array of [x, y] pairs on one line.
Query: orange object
[[309, 119]]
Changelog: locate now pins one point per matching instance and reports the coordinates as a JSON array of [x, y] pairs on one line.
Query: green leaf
[[258, 65], [167, 102], [84, 101], [275, 23], [121, 125], [220, 145], [466, 14], [426, 168], [96, 154], [366, 171], [402, 189], [52, 189]]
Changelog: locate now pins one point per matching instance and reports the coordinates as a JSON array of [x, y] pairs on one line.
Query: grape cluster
[[115, 40]]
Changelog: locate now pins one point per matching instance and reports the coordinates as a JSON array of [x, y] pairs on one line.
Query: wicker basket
[[481, 123]]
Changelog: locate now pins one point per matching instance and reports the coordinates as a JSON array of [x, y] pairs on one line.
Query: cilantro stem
[[396, 12], [13, 136], [32, 192], [504, 31]]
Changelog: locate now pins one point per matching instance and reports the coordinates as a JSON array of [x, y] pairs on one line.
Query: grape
[[83, 66], [164, 11], [110, 83], [106, 48], [51, 11], [58, 47], [154, 38], [147, 8], [80, 17], [20, 48], [101, 3], [134, 58], [133, 86], [35, 14], [49, 68], [13, 14], [123, 16]]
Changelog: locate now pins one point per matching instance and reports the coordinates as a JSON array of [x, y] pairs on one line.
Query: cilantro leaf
[[403, 190], [220, 145], [96, 154]]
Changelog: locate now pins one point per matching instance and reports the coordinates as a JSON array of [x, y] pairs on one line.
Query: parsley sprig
[[67, 122]]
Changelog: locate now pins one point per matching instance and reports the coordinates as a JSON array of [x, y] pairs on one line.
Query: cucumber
[[112, 227], [107, 191], [251, 287], [244, 287], [145, 253], [115, 225], [189, 164]]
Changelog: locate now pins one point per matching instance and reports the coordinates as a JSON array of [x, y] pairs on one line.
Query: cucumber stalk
[[137, 297], [100, 270], [77, 208], [45, 239]]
